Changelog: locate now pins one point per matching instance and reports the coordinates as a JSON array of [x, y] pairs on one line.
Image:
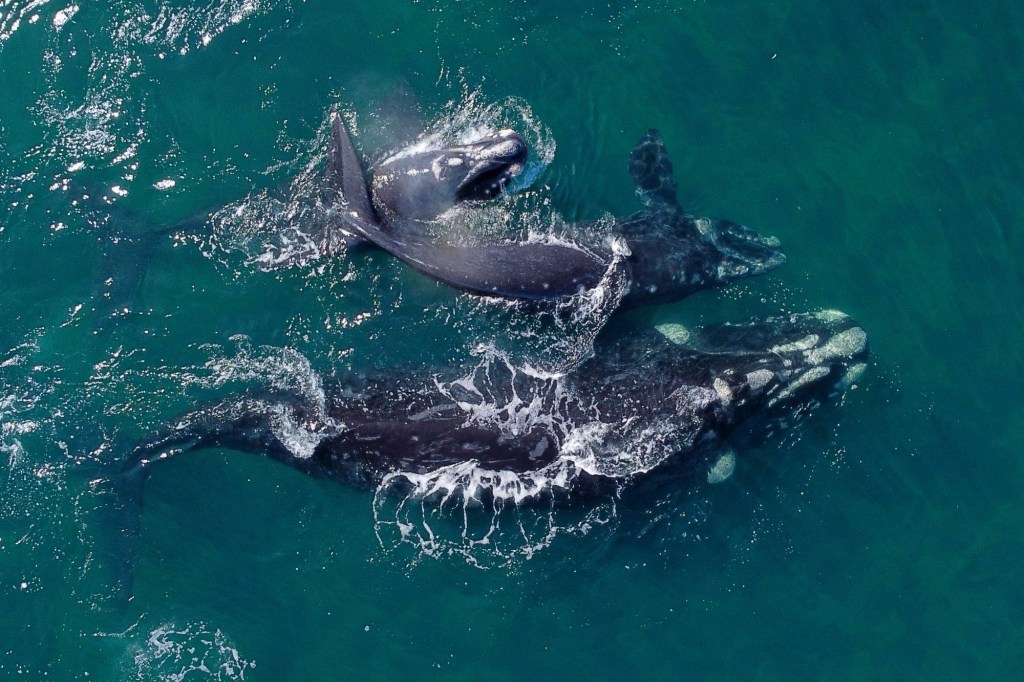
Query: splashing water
[[174, 653], [488, 519]]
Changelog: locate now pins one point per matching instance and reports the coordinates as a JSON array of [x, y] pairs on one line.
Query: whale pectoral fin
[[652, 171], [345, 174]]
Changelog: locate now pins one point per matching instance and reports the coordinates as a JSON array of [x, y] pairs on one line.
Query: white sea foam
[[183, 29], [18, 399], [485, 517], [284, 369], [177, 653]]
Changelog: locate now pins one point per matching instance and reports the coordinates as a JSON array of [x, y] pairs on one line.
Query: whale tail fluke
[[125, 262], [117, 479], [120, 521], [127, 244], [113, 505]]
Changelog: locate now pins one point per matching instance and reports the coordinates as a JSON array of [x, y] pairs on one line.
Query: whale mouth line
[[494, 164], [488, 178]]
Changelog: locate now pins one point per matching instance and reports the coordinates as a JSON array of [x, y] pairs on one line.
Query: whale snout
[[779, 364], [744, 251], [510, 149], [491, 165], [822, 352]]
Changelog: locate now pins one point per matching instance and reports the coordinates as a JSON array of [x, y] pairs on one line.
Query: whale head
[[778, 367], [423, 185], [674, 255]]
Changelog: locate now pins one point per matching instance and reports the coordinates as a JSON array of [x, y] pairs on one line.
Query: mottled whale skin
[[669, 253], [691, 389]]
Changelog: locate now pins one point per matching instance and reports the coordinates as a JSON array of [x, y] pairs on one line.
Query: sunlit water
[[879, 537]]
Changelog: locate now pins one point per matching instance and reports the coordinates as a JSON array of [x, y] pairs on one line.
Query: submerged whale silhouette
[[645, 398], [669, 253]]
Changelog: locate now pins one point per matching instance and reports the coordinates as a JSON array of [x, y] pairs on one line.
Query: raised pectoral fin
[[345, 173], [652, 171]]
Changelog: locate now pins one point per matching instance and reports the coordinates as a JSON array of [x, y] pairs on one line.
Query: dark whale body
[[674, 254], [643, 390], [669, 253]]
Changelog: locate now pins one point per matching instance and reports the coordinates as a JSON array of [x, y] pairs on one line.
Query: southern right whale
[[660, 254], [668, 253], [520, 270], [644, 398]]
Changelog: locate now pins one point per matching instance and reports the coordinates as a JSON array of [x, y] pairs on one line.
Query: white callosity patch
[[818, 356], [759, 378], [807, 377], [722, 389], [805, 343], [14, 12], [845, 344], [676, 333], [852, 376], [723, 467], [64, 16]]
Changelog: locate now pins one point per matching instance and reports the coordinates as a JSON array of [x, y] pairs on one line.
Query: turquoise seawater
[[879, 538]]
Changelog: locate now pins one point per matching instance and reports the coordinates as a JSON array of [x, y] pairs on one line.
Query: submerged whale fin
[[127, 243], [651, 169]]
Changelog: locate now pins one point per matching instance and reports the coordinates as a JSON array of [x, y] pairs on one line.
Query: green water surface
[[880, 539]]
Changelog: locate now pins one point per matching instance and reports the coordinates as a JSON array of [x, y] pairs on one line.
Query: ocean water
[[879, 538]]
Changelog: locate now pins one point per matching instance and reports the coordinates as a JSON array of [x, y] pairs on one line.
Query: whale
[[377, 211], [646, 398], [660, 254], [669, 253], [673, 253]]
